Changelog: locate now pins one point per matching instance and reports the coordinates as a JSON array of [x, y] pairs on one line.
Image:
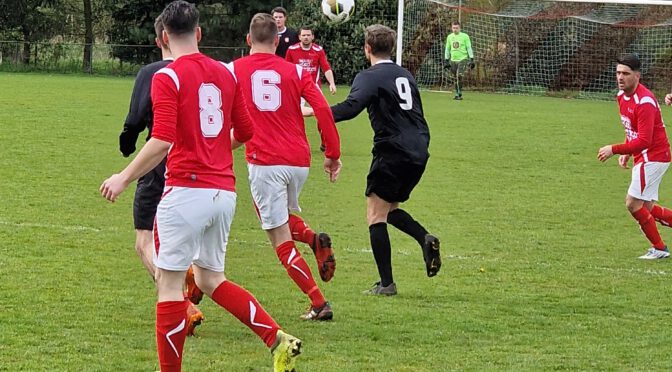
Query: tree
[[88, 36]]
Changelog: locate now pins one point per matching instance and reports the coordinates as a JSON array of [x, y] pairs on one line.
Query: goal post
[[561, 47]]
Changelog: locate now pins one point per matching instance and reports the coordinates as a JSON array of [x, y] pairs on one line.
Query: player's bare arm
[[149, 157], [329, 75], [668, 99]]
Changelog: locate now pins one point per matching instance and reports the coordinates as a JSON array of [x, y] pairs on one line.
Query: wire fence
[[103, 59]]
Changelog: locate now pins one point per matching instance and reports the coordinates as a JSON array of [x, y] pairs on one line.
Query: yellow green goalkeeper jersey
[[458, 47]]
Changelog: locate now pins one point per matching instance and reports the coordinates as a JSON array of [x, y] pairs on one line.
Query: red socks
[[298, 270], [171, 330], [662, 215], [300, 231], [648, 226], [244, 306]]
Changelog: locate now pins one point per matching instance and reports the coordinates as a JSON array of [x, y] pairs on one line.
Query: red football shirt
[[313, 60], [273, 89], [645, 135], [196, 102]]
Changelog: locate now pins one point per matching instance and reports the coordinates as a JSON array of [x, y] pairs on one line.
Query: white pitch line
[[49, 226]]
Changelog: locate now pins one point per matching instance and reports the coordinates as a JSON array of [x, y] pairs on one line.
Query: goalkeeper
[[460, 55]]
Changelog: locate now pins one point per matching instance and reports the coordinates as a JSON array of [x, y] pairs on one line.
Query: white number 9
[[404, 90]]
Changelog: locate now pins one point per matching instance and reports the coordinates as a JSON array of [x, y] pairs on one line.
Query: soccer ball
[[338, 10]]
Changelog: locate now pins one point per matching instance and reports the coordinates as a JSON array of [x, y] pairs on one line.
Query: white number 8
[[404, 89], [210, 103]]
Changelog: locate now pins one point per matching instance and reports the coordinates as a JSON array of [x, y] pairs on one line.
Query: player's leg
[[461, 69], [209, 274], [376, 215], [662, 215], [643, 191], [456, 77], [407, 175], [144, 249], [269, 187], [320, 243], [174, 242]]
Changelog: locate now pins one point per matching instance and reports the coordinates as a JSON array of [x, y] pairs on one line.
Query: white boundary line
[[49, 226]]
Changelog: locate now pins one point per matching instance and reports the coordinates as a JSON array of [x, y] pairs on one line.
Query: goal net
[[539, 47]]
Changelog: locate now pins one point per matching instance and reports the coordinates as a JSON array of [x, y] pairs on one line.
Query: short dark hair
[[381, 39], [279, 9], [631, 60], [180, 17], [158, 29], [263, 29], [307, 28], [456, 23]]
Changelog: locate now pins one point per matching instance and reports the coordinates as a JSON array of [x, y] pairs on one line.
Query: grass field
[[513, 188]]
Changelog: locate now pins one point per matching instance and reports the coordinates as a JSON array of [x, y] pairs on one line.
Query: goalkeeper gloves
[[127, 140], [472, 64]]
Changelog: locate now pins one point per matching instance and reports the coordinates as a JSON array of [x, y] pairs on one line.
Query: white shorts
[[192, 225], [275, 190], [646, 178]]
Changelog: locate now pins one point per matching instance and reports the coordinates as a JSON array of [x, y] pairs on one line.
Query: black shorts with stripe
[[147, 197]]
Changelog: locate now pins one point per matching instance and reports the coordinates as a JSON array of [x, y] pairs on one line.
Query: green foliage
[[512, 187], [344, 42]]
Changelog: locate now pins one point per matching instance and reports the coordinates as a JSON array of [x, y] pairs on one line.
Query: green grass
[[513, 187]]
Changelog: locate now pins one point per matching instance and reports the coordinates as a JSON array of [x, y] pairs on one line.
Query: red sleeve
[[324, 64], [646, 114], [325, 119], [164, 105], [243, 128], [290, 56]]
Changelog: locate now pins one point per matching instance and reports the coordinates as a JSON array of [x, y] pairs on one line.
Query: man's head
[[280, 17], [180, 20], [379, 41], [628, 72], [158, 29], [263, 31], [306, 36], [456, 27]]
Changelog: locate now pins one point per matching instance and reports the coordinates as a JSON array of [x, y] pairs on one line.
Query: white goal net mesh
[[539, 47]]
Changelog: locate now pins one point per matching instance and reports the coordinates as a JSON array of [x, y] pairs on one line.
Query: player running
[[198, 110], [646, 140], [400, 152], [278, 156]]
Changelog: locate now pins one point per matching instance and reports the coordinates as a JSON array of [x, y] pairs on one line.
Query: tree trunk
[[25, 57], [88, 36]]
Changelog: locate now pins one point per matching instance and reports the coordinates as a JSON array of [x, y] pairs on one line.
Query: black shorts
[[393, 179], [147, 197]]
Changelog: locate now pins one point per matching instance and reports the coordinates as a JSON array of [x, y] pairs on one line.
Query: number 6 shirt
[[196, 102], [275, 87]]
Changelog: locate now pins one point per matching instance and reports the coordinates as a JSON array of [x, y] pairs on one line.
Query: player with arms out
[[400, 152], [150, 186], [311, 57], [646, 141], [278, 156], [198, 109]]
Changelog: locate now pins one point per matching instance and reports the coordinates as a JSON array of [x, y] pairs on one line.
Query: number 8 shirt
[[195, 110]]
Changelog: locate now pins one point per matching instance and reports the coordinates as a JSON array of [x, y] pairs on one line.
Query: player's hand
[[623, 161], [332, 89], [307, 111], [127, 141], [333, 168], [113, 186], [472, 64], [668, 99], [605, 153]]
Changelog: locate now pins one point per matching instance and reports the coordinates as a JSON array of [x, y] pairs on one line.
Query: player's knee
[[208, 282], [633, 205]]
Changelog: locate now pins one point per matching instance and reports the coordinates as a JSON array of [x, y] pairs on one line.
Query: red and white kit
[[646, 140], [313, 59], [280, 145], [197, 102]]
